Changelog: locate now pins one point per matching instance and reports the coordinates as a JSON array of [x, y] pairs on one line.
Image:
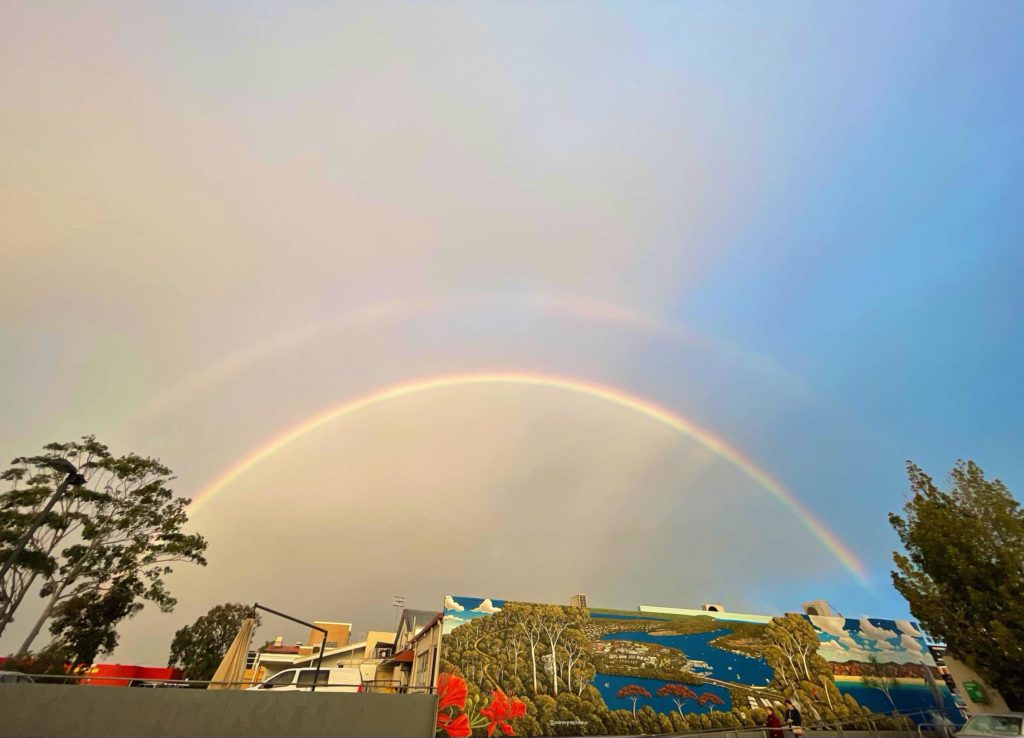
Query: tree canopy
[[199, 648], [962, 570], [102, 551]]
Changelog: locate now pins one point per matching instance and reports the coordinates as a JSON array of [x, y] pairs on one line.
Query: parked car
[[15, 677], [998, 724], [301, 680]]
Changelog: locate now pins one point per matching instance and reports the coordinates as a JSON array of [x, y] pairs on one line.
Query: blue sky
[[796, 225]]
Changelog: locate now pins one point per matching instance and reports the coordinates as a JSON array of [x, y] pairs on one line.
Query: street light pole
[[73, 478]]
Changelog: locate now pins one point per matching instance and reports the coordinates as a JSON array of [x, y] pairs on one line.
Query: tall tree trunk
[[828, 697], [15, 602], [885, 691], [803, 657], [70, 579], [43, 617]]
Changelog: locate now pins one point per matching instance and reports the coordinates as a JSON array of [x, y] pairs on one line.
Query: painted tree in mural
[[790, 647], [575, 645], [526, 620], [678, 693], [962, 570], [554, 625], [538, 654], [633, 692], [878, 675], [712, 699]]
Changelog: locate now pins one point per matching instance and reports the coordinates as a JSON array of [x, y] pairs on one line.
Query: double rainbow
[[655, 412]]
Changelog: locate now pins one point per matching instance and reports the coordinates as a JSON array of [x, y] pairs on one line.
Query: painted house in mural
[[534, 669]]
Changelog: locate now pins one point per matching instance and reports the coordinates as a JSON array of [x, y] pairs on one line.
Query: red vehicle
[[128, 675]]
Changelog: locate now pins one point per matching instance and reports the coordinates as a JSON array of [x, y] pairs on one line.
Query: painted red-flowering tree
[[678, 693], [501, 710], [711, 697], [457, 722], [633, 692], [451, 698]]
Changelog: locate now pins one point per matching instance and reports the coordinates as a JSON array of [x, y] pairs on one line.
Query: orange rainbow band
[[723, 450]]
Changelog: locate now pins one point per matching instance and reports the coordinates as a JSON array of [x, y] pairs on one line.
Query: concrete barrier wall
[[35, 710]]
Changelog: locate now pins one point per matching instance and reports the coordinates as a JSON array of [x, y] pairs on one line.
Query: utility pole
[[399, 604]]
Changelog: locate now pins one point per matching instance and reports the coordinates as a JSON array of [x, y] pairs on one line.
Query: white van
[[301, 680]]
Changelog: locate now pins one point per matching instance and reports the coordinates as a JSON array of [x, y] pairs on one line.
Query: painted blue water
[[909, 698], [613, 616], [609, 685], [725, 665]]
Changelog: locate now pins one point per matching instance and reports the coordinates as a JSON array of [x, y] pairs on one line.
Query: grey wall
[[104, 712]]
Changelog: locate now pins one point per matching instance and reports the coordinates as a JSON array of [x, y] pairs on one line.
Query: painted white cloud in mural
[[907, 627], [451, 622], [487, 607], [911, 644], [847, 640], [869, 630], [451, 604], [834, 651], [830, 625]]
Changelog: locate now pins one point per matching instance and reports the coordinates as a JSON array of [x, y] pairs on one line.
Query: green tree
[[199, 648], [85, 625], [31, 481], [118, 532], [962, 570]]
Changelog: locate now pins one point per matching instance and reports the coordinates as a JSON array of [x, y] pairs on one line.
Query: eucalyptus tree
[[115, 535], [962, 570]]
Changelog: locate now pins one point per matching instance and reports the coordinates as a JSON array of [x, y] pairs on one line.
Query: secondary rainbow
[[827, 538]]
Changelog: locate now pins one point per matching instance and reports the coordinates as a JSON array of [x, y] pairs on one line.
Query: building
[[416, 659], [365, 655], [276, 657], [976, 696]]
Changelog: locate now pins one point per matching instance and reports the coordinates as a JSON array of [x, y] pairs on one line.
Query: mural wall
[[515, 668]]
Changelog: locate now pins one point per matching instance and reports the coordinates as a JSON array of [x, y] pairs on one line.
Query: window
[[306, 677], [994, 725], [280, 680]]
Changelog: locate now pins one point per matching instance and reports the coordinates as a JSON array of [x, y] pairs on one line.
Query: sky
[[795, 227]]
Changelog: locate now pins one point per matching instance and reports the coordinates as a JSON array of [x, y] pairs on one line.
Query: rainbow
[[723, 450], [606, 313]]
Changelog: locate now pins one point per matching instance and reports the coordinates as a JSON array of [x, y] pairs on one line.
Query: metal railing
[[836, 727], [378, 686]]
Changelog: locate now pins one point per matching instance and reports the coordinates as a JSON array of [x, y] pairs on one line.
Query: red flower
[[457, 728], [451, 692], [501, 710]]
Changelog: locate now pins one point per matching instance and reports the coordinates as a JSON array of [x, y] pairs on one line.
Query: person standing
[[792, 718], [772, 722]]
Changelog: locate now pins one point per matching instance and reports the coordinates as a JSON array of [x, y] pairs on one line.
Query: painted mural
[[516, 668]]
